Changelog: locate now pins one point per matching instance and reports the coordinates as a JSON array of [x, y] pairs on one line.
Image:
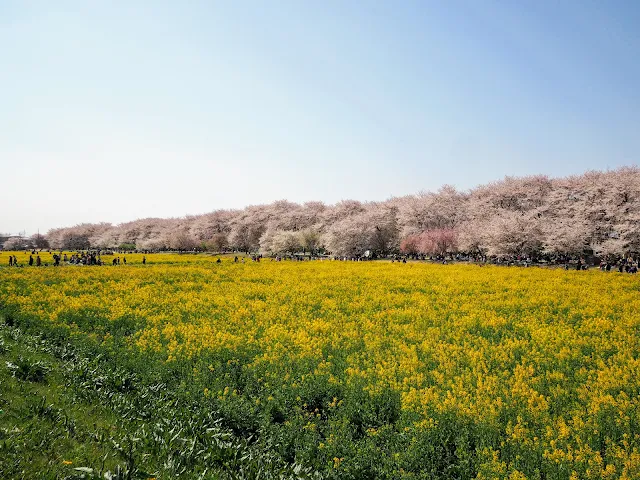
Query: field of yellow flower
[[376, 370]]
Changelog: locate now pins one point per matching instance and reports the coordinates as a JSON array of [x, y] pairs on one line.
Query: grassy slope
[[44, 431], [65, 414]]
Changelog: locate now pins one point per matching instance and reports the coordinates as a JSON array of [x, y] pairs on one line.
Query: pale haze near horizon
[[113, 111]]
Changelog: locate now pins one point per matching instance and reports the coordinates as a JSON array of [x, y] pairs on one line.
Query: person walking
[[38, 261], [11, 260], [31, 260]]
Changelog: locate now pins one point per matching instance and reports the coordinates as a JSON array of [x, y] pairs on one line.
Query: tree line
[[594, 213]]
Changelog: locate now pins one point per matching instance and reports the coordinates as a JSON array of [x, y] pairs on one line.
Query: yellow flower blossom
[[545, 358]]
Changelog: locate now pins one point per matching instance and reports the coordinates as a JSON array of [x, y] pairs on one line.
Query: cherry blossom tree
[[208, 226], [217, 243], [504, 218], [39, 241], [443, 209], [374, 228], [181, 240], [75, 240], [16, 243], [152, 244], [411, 244], [310, 240], [340, 211], [280, 241], [77, 237]]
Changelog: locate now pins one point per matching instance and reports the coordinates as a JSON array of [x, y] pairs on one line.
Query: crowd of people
[[622, 265], [626, 265], [78, 258]]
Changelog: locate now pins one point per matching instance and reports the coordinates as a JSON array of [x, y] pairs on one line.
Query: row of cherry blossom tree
[[597, 212]]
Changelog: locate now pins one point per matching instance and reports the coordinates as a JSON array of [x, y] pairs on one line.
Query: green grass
[[68, 413], [44, 431]]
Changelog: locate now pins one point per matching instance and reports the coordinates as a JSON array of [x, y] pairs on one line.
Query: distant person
[[11, 260], [38, 261], [235, 260], [31, 260], [115, 261], [124, 260], [144, 260]]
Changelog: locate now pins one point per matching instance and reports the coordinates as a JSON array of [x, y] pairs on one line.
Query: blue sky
[[112, 111]]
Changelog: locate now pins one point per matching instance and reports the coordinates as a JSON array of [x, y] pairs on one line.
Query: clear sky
[[112, 111]]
